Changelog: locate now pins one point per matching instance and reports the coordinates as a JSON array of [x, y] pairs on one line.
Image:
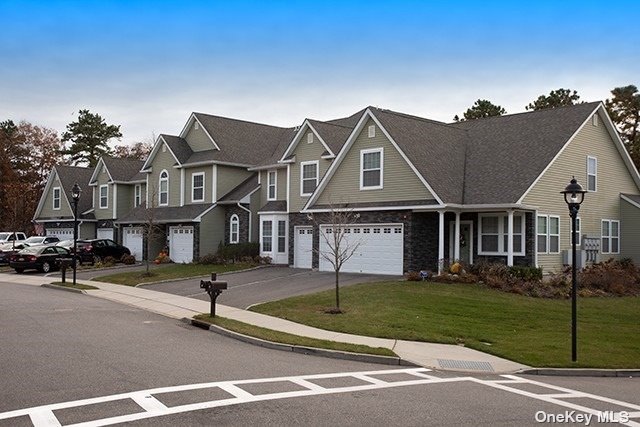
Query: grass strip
[[77, 285], [170, 271], [285, 338]]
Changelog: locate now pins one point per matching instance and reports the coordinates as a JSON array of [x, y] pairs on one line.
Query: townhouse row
[[421, 191]]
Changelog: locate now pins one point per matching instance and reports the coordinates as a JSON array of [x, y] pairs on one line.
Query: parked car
[[102, 248], [41, 240], [41, 258], [9, 236], [84, 247], [8, 249]]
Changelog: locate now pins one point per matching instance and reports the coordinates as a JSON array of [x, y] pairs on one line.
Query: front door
[[274, 241], [466, 241]]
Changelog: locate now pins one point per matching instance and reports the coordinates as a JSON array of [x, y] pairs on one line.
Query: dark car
[[8, 249], [103, 248], [41, 258], [84, 247]]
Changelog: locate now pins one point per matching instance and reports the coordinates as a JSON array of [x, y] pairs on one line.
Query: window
[[282, 236], [610, 239], [592, 173], [164, 188], [372, 131], [137, 195], [371, 162], [494, 234], [308, 177], [197, 186], [234, 227], [104, 196], [56, 198], [310, 138], [267, 233], [548, 234], [272, 183]]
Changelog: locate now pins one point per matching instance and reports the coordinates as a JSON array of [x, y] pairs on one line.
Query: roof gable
[[299, 135], [194, 125], [177, 146]]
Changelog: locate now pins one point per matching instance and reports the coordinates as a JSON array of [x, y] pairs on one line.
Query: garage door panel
[[104, 233], [181, 249], [132, 239], [61, 233], [303, 247]]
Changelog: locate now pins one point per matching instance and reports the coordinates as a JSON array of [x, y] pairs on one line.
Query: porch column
[[510, 238], [456, 239], [440, 241]]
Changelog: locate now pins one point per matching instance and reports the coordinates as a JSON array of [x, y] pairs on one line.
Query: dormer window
[[272, 185], [164, 188], [310, 138]]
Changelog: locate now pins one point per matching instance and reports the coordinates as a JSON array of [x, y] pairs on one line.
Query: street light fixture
[[75, 196], [573, 196]]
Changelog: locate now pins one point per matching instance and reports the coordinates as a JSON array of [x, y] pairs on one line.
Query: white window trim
[[502, 219], [105, 206], [273, 184], [372, 131], [234, 220], [548, 234], [578, 232], [592, 174], [263, 236], [362, 154], [193, 187], [160, 179], [610, 237], [137, 195], [302, 179], [59, 198]]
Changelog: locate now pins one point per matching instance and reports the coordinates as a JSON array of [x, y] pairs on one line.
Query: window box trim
[[502, 219], [381, 169], [273, 184], [137, 195], [106, 205], [595, 174], [193, 187], [302, 179], [160, 192], [610, 237], [234, 221], [59, 198]]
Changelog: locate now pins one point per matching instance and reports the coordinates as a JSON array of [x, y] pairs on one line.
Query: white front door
[[377, 248], [303, 247], [104, 233], [132, 239], [181, 244], [274, 239]]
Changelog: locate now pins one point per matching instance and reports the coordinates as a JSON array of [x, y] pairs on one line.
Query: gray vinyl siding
[[255, 220], [103, 179], [229, 177], [188, 180], [399, 181], [198, 139], [47, 207], [164, 161], [613, 178], [125, 199], [630, 227], [87, 230], [305, 152], [211, 231], [281, 185]]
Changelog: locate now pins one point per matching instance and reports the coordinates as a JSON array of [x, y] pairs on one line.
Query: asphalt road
[[61, 347]]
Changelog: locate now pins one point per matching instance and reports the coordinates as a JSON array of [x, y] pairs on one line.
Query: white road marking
[[151, 407]]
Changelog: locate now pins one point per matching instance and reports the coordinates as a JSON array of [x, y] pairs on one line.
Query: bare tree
[[150, 227], [340, 242]]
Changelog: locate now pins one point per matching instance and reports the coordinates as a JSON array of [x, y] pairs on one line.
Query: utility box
[[581, 258]]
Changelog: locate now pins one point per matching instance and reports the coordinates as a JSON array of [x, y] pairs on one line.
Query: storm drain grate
[[466, 365]]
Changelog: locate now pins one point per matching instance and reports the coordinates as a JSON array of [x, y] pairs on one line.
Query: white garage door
[[303, 244], [181, 246], [379, 248], [132, 239], [62, 233], [104, 233]]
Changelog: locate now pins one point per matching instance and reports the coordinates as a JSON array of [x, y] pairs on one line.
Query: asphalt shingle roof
[[178, 147], [242, 190], [69, 175], [184, 213], [124, 169]]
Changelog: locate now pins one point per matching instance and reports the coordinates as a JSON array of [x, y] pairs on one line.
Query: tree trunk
[[337, 290]]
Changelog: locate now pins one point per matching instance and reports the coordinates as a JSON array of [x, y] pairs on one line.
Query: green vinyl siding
[[212, 231], [87, 230], [281, 185], [188, 181], [613, 178], [47, 207], [125, 199], [305, 152], [198, 139], [399, 181], [229, 177], [630, 231], [164, 161]]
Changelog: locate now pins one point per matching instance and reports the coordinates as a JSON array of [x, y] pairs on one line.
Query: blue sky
[[147, 64]]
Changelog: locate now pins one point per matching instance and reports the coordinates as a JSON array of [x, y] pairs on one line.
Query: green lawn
[[285, 338], [170, 271], [533, 331]]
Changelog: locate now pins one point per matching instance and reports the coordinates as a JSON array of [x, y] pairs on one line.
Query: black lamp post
[[75, 196], [573, 196]]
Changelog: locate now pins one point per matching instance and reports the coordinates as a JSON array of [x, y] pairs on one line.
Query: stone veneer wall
[[243, 225]]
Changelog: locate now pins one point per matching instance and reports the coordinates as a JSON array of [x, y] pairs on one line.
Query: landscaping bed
[[171, 271]]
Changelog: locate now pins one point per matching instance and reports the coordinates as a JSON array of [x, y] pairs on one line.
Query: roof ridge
[[330, 124], [422, 119], [195, 113]]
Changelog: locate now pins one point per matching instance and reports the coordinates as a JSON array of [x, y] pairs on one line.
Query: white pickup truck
[[9, 236]]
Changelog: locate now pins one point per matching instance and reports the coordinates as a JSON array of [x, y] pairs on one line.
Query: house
[[424, 191]]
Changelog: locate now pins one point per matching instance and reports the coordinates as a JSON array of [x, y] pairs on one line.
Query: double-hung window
[[592, 173], [371, 168], [164, 189], [234, 227], [137, 195], [308, 177], [272, 185], [56, 198], [104, 196], [548, 234], [267, 236], [494, 234], [610, 238], [197, 187]]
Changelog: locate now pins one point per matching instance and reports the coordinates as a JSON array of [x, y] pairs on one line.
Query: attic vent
[[594, 120], [309, 138], [372, 131], [164, 148], [104, 170], [196, 125]]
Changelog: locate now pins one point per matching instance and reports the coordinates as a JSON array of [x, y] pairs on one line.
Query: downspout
[[249, 211]]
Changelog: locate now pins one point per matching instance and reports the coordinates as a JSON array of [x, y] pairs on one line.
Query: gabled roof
[[634, 199], [119, 169], [178, 148], [68, 176], [241, 191]]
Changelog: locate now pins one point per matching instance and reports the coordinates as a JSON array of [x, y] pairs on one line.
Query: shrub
[[413, 276], [108, 261], [525, 272], [264, 259], [238, 251], [614, 278], [162, 258], [128, 259], [210, 259]]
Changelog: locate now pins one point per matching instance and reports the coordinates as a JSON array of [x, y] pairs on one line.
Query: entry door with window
[[274, 238], [466, 241]]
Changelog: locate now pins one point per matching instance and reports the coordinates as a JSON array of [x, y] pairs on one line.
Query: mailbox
[[214, 288]]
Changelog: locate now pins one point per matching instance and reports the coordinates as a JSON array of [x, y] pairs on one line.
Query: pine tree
[[89, 136], [624, 109], [556, 98], [481, 108]]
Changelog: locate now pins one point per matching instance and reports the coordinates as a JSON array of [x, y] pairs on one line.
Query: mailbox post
[[214, 288]]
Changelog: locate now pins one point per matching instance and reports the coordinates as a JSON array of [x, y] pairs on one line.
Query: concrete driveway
[[266, 284]]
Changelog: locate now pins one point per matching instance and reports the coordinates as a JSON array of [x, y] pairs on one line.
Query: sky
[[146, 65]]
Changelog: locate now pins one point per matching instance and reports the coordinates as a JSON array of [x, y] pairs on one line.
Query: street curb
[[334, 354], [63, 288], [581, 372], [198, 277]]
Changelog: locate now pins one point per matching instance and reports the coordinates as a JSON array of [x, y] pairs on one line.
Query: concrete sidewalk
[[437, 356]]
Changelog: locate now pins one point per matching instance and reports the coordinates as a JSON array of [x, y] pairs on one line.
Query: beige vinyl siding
[[198, 139], [164, 161], [281, 185], [125, 199], [230, 177], [188, 181], [47, 208], [613, 178], [399, 181], [305, 152], [103, 179], [630, 231], [211, 231]]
